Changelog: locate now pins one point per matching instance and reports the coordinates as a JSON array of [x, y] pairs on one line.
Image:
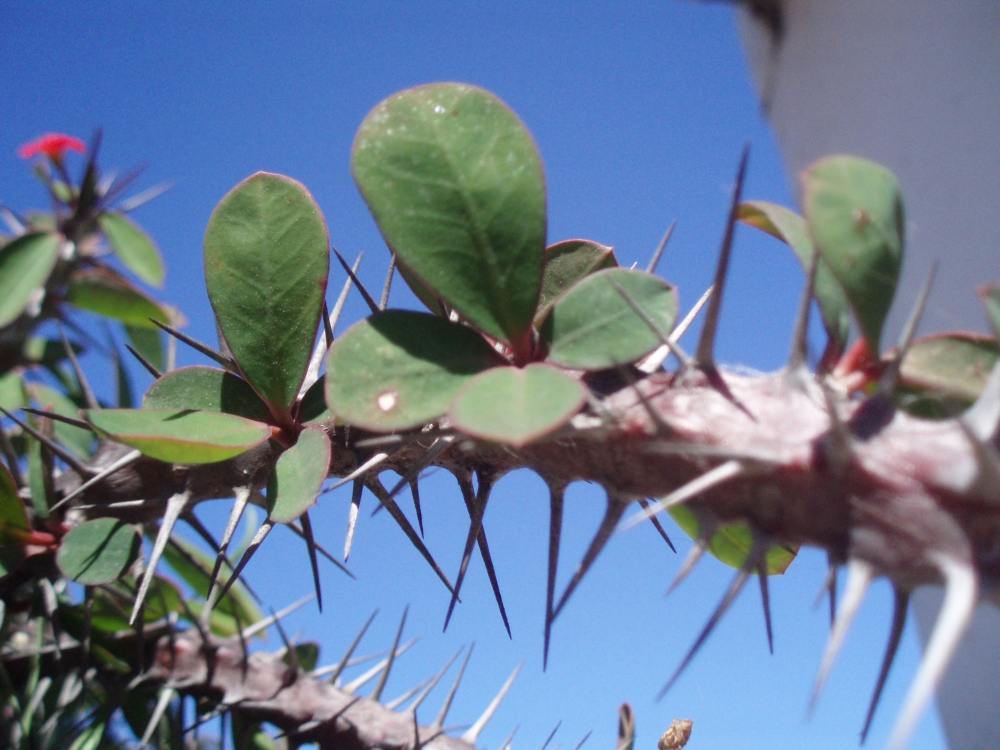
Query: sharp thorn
[[59, 418], [350, 651], [961, 593], [327, 327], [441, 442], [368, 465], [612, 514], [313, 562], [585, 738], [126, 460], [352, 516], [144, 197], [175, 506], [706, 530], [400, 700], [227, 363], [443, 713], [240, 504], [338, 306], [144, 362], [289, 647], [384, 302], [377, 489], [376, 694], [162, 701], [72, 461], [433, 682], [704, 355], [901, 600], [765, 600], [837, 445], [472, 733], [258, 539], [358, 682], [471, 502], [201, 531], [683, 357], [662, 428], [551, 734], [797, 360], [655, 260], [88, 394], [734, 589], [983, 417], [859, 576], [712, 478], [415, 492], [477, 509], [653, 361], [887, 384], [644, 504], [357, 282], [506, 743], [298, 531], [251, 630], [557, 495]]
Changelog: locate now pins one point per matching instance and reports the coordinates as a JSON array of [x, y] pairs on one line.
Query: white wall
[[913, 85]]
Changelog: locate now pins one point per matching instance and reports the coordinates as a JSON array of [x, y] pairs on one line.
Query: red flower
[[53, 145]]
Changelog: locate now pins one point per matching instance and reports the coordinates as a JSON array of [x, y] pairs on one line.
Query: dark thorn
[[72, 461], [242, 497], [612, 515], [357, 282], [765, 600], [900, 602], [800, 336], [377, 489], [484, 547], [327, 328], [60, 418], [227, 362], [734, 589], [644, 504], [88, 615], [311, 546], [293, 657], [200, 530], [437, 448], [662, 428], [262, 532], [415, 491], [376, 694], [352, 515], [655, 260], [706, 344], [384, 302], [350, 651], [683, 357], [144, 362], [832, 589], [890, 378], [557, 494], [88, 394], [551, 734], [321, 549], [477, 509], [585, 738]]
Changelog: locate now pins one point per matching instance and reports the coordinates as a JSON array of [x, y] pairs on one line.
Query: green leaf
[[13, 518], [566, 263], [456, 185], [201, 388], [855, 213], [791, 229], [731, 544], [990, 295], [90, 738], [102, 291], [180, 437], [424, 293], [133, 247], [77, 439], [312, 408], [98, 552], [267, 257], [40, 480], [298, 476], [517, 406], [148, 343], [592, 327], [401, 369], [12, 394], [25, 265], [950, 364]]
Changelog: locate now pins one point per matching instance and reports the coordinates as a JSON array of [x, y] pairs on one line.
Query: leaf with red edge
[[98, 552], [567, 263], [202, 388], [102, 291], [298, 476]]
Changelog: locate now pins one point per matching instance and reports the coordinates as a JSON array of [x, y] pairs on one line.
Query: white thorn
[[984, 415], [267, 622], [859, 576], [175, 506], [443, 713], [121, 463], [961, 590], [472, 733], [352, 686], [369, 464], [653, 361], [433, 683], [166, 695], [718, 475]]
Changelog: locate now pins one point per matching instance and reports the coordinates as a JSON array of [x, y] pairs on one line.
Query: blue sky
[[640, 111]]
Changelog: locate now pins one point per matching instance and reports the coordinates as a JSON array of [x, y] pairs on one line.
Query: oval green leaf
[[25, 265], [592, 327], [133, 247], [201, 388], [568, 262], [855, 214], [950, 364], [98, 552], [990, 295], [298, 476], [267, 257], [180, 437], [516, 406], [731, 544], [102, 291], [790, 228], [13, 518], [456, 185], [401, 369]]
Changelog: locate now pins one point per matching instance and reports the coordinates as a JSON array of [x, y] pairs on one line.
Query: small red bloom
[[53, 145]]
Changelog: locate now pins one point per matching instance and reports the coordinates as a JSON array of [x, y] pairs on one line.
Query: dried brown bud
[[677, 735]]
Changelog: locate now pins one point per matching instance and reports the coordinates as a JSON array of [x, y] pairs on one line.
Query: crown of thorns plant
[[546, 358]]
